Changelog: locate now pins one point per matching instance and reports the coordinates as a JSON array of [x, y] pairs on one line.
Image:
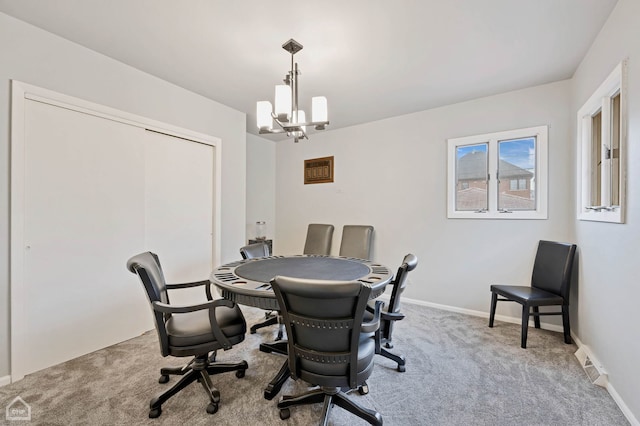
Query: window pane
[[517, 162], [596, 159], [471, 177], [615, 150]]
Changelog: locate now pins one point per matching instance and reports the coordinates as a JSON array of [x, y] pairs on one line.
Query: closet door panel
[[84, 216], [179, 209]]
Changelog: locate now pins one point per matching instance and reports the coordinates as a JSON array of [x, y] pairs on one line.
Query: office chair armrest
[[188, 285], [207, 289], [392, 316], [183, 309], [210, 306], [374, 324]]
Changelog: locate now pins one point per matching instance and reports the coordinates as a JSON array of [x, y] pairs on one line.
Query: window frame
[[600, 101], [492, 140]]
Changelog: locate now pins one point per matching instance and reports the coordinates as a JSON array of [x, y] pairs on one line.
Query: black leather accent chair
[[253, 251], [318, 241], [550, 285], [329, 345], [392, 313], [189, 331], [356, 241]]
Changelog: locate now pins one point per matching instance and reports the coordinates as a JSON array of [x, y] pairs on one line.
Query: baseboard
[[5, 380], [616, 397], [503, 318]]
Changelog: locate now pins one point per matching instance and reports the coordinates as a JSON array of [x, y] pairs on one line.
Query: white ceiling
[[372, 59]]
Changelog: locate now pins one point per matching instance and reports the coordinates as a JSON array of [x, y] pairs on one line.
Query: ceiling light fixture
[[287, 116]]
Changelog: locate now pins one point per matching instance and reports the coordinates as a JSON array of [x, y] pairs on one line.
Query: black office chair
[[318, 239], [550, 285], [329, 345], [193, 330], [392, 313], [252, 251], [356, 241]]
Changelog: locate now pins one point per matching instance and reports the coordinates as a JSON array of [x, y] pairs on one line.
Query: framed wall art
[[318, 170]]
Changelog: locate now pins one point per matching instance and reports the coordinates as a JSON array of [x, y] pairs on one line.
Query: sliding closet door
[[179, 209], [91, 187], [83, 216]]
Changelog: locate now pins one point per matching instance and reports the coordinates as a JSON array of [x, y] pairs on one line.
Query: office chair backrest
[[255, 250], [318, 240], [356, 241], [147, 266], [323, 320], [552, 267], [399, 283]]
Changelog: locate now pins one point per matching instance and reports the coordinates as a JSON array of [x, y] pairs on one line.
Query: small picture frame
[[318, 170]]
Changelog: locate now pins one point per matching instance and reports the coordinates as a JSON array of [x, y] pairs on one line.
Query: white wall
[[40, 58], [261, 185], [392, 174], [609, 288]]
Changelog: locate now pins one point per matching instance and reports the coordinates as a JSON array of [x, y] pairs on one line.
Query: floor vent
[[592, 368]]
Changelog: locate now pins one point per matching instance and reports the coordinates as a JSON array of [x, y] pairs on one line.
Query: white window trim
[[541, 173], [615, 82]]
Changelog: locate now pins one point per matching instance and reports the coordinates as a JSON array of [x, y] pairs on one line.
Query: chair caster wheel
[[240, 374], [402, 368], [163, 379], [155, 413], [270, 392], [212, 408], [285, 413], [363, 390]]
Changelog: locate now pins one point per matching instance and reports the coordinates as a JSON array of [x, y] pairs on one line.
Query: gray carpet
[[459, 372]]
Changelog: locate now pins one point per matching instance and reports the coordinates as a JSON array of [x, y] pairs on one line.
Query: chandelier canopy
[[287, 116]]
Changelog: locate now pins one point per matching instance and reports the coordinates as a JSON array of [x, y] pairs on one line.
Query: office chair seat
[[194, 328], [366, 352]]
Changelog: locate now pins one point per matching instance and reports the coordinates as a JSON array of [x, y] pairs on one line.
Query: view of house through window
[[498, 175], [472, 163], [516, 174]]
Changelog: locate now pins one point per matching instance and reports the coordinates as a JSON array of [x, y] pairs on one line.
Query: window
[[601, 153], [499, 175]]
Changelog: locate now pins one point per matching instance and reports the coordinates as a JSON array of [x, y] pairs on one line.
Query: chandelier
[[287, 116]]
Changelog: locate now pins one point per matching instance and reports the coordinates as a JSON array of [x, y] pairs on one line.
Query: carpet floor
[[459, 372]]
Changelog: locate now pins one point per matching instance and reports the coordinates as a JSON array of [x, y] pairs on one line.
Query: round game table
[[247, 282]]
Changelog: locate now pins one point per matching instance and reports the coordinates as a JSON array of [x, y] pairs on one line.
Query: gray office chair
[[193, 331], [356, 241], [550, 285], [391, 313], [252, 251], [318, 240], [329, 345]]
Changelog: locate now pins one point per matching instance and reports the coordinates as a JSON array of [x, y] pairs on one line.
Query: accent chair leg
[[492, 311], [565, 324], [525, 326], [536, 318]]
